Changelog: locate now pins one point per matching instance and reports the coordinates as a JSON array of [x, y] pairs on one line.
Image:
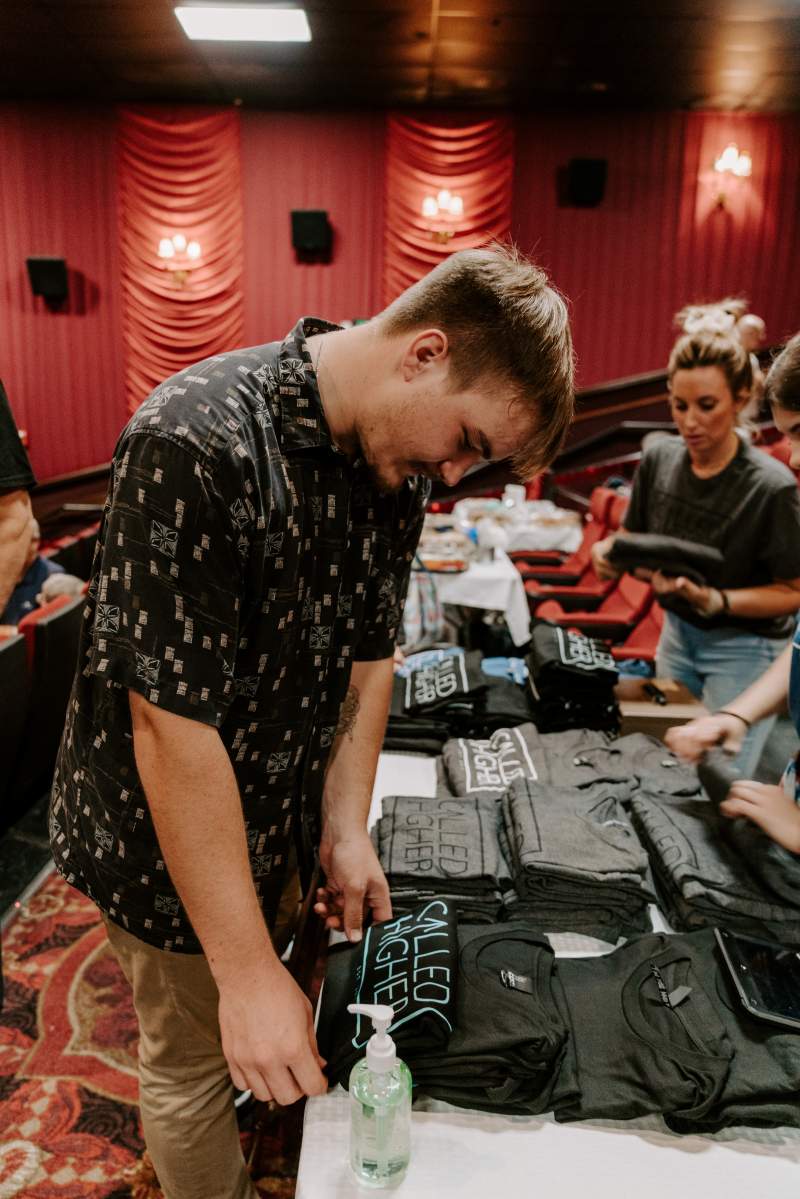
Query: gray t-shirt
[[750, 512]]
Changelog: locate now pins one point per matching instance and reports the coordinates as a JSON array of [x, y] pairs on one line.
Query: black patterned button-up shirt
[[243, 564]]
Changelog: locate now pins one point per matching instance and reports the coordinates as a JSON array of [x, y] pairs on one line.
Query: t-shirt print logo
[[239, 513], [147, 668], [104, 839], [292, 370], [438, 681], [577, 650], [163, 539], [320, 637], [107, 618], [277, 762], [493, 765]]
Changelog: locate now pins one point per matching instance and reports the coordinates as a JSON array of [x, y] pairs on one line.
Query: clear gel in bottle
[[380, 1106]]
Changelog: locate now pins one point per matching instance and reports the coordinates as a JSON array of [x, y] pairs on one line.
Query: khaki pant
[[185, 1089]]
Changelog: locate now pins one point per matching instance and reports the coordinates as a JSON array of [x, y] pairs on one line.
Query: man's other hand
[[355, 884], [268, 1038]]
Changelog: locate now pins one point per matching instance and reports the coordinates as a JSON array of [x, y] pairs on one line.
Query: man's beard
[[384, 484]]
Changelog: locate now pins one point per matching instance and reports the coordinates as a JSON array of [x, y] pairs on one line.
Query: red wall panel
[[658, 240], [307, 160], [62, 369]]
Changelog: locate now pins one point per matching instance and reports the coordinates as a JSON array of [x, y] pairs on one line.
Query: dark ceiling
[[526, 54]]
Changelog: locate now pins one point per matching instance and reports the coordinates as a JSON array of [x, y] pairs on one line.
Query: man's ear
[[426, 352]]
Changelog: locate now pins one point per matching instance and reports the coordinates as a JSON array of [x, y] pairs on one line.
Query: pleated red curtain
[[473, 159], [179, 173]]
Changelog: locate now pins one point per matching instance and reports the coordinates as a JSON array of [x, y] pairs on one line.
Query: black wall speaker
[[586, 182], [312, 232], [48, 278]]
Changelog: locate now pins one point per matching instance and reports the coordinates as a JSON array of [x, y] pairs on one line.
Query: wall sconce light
[[445, 207], [733, 162], [180, 254]]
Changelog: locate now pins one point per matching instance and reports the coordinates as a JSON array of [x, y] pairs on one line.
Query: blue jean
[[717, 665]]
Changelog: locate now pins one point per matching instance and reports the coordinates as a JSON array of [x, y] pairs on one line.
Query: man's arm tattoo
[[348, 713]]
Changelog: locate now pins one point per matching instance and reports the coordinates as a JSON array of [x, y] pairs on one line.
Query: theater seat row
[[37, 666]]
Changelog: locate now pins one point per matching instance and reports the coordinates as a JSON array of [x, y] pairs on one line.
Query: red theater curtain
[[473, 159], [178, 173]]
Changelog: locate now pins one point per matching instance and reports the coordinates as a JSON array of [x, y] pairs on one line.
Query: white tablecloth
[[475, 1155], [495, 586]]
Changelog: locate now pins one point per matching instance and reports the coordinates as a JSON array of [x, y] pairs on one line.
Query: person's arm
[[15, 526], [265, 1020], [755, 603], [354, 878], [762, 698]]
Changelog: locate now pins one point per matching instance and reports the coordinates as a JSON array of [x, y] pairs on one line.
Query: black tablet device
[[766, 976]]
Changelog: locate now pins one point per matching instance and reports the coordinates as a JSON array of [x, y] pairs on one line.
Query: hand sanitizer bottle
[[380, 1105]]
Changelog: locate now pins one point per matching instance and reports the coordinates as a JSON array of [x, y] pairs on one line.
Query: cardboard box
[[641, 714]]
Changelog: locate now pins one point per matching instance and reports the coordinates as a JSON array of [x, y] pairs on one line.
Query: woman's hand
[[707, 601], [600, 564], [769, 807], [690, 741]]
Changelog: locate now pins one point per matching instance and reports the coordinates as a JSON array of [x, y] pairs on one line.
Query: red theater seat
[[643, 640], [52, 635], [616, 616], [545, 567], [14, 695]]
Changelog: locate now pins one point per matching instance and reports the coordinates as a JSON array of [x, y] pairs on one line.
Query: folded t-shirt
[[670, 555], [410, 963]]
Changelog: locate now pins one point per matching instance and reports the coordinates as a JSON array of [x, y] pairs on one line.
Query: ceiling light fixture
[[239, 23]]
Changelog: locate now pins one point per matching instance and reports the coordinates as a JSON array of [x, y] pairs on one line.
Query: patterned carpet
[[69, 1118]]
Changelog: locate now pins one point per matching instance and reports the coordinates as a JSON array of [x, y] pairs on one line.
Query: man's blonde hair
[[503, 319]]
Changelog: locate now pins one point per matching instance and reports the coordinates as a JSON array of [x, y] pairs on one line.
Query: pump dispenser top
[[381, 1053]]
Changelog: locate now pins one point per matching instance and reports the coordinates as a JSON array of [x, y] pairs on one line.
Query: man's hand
[[690, 741], [268, 1038], [600, 564], [769, 807], [355, 882]]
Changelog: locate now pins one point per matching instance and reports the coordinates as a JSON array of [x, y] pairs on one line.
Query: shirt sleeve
[[167, 588], [636, 513], [389, 583], [15, 469], [782, 550]]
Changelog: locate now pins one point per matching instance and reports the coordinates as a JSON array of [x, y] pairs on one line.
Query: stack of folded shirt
[[508, 1042], [576, 861], [410, 963], [476, 1015], [451, 695], [572, 679], [446, 847], [646, 1034], [433, 700], [572, 758], [657, 1026], [702, 880]]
